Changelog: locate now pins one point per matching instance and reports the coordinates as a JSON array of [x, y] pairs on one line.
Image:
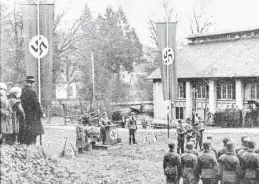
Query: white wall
[[159, 103], [61, 91]]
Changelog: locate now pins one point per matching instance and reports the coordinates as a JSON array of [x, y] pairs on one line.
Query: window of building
[[181, 90], [179, 112], [226, 91], [202, 90], [255, 91]]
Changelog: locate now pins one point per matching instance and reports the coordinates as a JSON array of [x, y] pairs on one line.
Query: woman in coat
[[18, 116], [6, 128]]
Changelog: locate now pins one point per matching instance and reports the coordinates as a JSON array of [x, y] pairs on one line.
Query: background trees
[[113, 42]]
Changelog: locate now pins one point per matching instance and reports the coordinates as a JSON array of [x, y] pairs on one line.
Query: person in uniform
[[132, 125], [80, 137], [208, 165], [6, 127], [244, 149], [189, 164], [229, 166], [242, 144], [191, 147], [209, 137], [104, 122], [250, 165], [224, 149], [33, 112], [181, 137], [198, 135], [189, 130], [172, 165], [18, 115]]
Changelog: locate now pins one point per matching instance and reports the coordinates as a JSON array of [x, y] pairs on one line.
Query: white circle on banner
[[113, 134], [43, 46], [168, 56]]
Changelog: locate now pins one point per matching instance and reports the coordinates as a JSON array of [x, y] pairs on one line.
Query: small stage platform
[[107, 147]]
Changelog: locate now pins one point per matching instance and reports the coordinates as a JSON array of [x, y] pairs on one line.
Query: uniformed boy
[[181, 137], [189, 164], [208, 165], [171, 165], [229, 166]]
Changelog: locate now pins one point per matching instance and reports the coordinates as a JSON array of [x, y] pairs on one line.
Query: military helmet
[[190, 145], [171, 144], [251, 144], [207, 144], [242, 138], [209, 137], [230, 145], [226, 140]]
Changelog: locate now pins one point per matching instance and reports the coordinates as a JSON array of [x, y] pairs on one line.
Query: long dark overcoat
[[32, 112]]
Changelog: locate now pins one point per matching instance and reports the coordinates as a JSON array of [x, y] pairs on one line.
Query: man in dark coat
[[33, 112]]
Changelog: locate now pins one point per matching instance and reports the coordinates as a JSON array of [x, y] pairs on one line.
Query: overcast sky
[[228, 14]]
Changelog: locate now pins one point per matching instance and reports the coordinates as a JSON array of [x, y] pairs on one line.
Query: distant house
[[132, 77], [65, 91], [215, 71]]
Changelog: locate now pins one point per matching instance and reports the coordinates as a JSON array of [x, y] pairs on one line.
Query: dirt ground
[[138, 164]]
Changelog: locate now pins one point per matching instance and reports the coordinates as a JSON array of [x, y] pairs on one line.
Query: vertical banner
[[161, 28], [29, 13]]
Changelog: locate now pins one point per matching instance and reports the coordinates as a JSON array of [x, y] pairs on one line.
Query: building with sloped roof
[[214, 71]]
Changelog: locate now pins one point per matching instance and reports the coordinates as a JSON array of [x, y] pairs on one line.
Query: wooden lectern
[[111, 134]]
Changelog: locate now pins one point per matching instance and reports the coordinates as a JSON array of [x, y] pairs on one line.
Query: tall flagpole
[[93, 76], [38, 30], [167, 76]]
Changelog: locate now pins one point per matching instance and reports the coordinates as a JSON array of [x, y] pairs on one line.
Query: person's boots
[[129, 140]]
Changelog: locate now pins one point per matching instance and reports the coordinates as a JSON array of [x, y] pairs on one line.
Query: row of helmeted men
[[229, 165]]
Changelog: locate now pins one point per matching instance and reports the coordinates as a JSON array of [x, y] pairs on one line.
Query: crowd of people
[[197, 160], [20, 114], [235, 117]]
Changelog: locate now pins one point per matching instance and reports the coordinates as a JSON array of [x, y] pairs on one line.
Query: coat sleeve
[[20, 110]]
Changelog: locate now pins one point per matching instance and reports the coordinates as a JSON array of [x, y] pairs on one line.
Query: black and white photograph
[[129, 92]]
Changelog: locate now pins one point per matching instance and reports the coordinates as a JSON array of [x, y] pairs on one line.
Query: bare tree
[[170, 14], [199, 22]]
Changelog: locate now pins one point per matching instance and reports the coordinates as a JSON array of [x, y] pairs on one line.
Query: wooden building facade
[[214, 71]]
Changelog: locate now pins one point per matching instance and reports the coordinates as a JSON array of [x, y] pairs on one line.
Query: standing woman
[[18, 116], [6, 129]]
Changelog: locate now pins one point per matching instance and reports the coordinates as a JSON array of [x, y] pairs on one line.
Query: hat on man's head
[[30, 79]]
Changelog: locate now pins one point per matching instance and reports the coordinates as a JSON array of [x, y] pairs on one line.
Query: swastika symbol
[[113, 134], [168, 56], [42, 50]]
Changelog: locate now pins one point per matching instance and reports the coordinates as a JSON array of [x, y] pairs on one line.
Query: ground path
[[137, 164]]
